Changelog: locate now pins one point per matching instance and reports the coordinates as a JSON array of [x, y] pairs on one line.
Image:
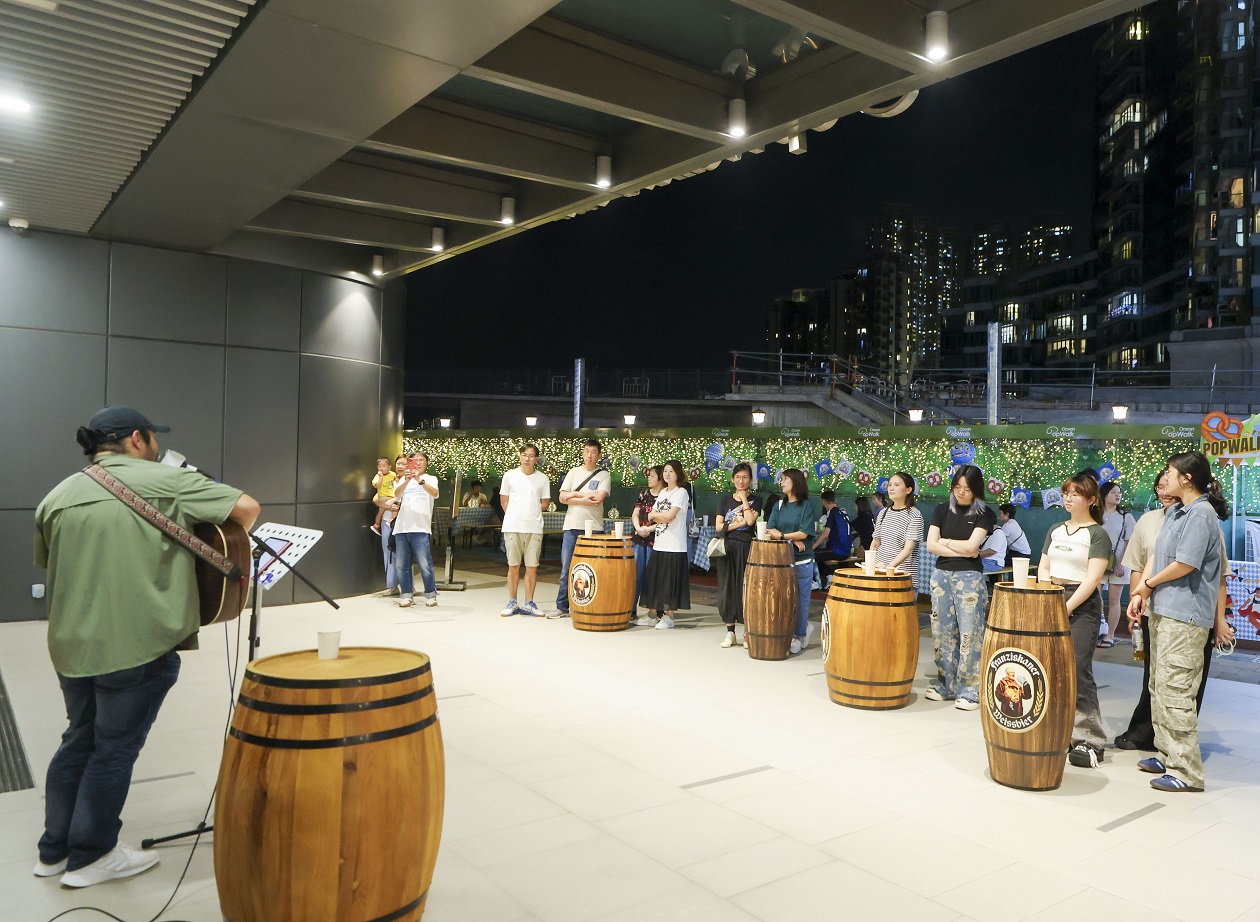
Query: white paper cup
[[590, 529], [619, 529], [329, 644], [704, 521], [868, 565], [1020, 576], [761, 531]]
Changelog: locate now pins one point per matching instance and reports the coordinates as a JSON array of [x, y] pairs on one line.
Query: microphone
[[175, 459]]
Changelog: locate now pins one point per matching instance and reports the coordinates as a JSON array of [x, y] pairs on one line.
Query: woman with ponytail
[[1184, 585]]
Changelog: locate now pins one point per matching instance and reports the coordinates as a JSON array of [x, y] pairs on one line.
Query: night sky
[[680, 276]]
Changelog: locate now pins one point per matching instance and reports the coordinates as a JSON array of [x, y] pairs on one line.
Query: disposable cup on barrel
[[1020, 566], [590, 529], [619, 529], [868, 565], [329, 644], [761, 531]]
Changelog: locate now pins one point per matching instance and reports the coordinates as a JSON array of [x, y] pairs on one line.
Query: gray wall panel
[[261, 426], [161, 294], [338, 423], [394, 325], [264, 305], [346, 560], [174, 384], [341, 318], [53, 282], [17, 530], [391, 411], [55, 381]]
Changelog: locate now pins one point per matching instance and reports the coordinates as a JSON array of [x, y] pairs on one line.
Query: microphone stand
[[255, 612]]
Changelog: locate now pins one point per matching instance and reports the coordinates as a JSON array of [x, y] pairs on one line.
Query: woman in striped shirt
[[899, 529]]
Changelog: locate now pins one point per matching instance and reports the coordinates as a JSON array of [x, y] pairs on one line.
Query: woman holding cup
[[666, 585], [960, 594], [736, 515], [796, 520], [899, 528], [644, 531]]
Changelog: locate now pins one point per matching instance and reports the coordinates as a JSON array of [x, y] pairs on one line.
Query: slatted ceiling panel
[[104, 77]]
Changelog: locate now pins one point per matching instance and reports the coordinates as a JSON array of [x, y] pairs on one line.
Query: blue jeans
[[413, 545], [391, 578], [567, 544], [804, 585], [90, 774], [960, 599], [642, 553]]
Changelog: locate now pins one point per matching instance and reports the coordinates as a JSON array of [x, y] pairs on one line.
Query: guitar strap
[[161, 521]]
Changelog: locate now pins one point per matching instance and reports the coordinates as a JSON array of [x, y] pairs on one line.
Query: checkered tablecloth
[[700, 547]]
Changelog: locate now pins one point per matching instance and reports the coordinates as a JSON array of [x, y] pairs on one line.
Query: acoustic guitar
[[223, 598]]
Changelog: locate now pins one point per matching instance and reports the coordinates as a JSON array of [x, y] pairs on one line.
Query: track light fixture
[[437, 242], [936, 25], [507, 210], [736, 118], [603, 171], [796, 144], [378, 265]]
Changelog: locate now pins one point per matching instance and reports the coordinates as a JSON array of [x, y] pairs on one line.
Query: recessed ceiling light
[[7, 160], [46, 5], [14, 104]]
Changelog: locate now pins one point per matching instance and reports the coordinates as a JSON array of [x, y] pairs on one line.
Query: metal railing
[[657, 383]]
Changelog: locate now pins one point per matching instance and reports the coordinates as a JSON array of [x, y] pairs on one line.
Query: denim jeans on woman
[[409, 546], [959, 601], [642, 554], [90, 774], [804, 585]]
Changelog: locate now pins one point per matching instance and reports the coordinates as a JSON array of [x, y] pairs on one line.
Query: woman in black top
[[644, 531], [864, 524], [736, 516], [959, 592]]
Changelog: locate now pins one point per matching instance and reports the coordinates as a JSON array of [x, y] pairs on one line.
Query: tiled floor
[[651, 775]]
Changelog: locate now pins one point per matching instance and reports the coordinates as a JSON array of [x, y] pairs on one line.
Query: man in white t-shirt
[[993, 551], [413, 526], [584, 490], [1016, 541], [525, 494]]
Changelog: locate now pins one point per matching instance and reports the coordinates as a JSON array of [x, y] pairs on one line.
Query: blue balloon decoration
[[714, 453], [962, 453]]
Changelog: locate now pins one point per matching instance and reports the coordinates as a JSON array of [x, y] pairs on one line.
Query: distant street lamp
[[444, 422], [759, 417], [916, 415], [531, 421], [628, 419], [1119, 413]]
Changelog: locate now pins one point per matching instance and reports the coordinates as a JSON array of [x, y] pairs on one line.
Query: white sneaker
[[556, 613], [123, 861], [430, 602], [49, 870], [809, 632], [510, 608], [645, 621], [933, 694], [665, 623], [795, 647], [728, 640], [404, 602], [965, 704]]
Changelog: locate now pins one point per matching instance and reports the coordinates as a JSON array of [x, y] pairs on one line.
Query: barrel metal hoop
[[359, 682], [274, 707], [1058, 753], [840, 678], [603, 556], [1018, 633], [773, 566], [269, 742], [404, 911], [602, 614], [840, 694], [844, 601]]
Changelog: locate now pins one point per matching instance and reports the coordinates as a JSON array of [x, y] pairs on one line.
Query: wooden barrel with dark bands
[[770, 600], [1027, 686], [871, 639], [601, 583], [331, 789]]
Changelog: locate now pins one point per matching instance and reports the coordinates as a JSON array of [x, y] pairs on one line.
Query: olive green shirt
[[120, 592]]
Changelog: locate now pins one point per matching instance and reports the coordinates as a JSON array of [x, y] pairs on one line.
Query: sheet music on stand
[[287, 542]]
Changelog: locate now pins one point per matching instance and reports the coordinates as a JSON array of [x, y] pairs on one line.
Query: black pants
[[828, 563], [1141, 733]]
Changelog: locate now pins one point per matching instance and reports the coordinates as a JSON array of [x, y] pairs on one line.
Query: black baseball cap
[[116, 422]]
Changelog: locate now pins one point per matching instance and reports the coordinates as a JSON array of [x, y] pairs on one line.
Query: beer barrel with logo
[[601, 583], [871, 641], [770, 600], [1027, 686], [330, 790]]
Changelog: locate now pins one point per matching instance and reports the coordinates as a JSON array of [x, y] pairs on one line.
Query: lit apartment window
[[1008, 334], [1137, 30]]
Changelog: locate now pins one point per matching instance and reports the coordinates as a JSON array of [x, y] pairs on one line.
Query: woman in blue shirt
[[796, 520], [1185, 582]]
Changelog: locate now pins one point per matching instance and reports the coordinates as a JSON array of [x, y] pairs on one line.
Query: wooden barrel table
[[331, 789], [601, 583], [770, 599], [1028, 686], [871, 639]]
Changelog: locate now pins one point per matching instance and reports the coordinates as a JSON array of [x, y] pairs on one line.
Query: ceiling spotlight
[[444, 422], [531, 421], [736, 118], [758, 417], [46, 6], [603, 171], [7, 160], [629, 419], [796, 144], [507, 210], [438, 240], [937, 27], [14, 104], [378, 265]]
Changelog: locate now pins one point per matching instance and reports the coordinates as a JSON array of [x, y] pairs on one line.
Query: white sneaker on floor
[[933, 694], [386, 593], [665, 623], [404, 602], [49, 870], [966, 704], [556, 613], [809, 632], [123, 861], [510, 608], [795, 648], [430, 603], [728, 640], [645, 621]]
